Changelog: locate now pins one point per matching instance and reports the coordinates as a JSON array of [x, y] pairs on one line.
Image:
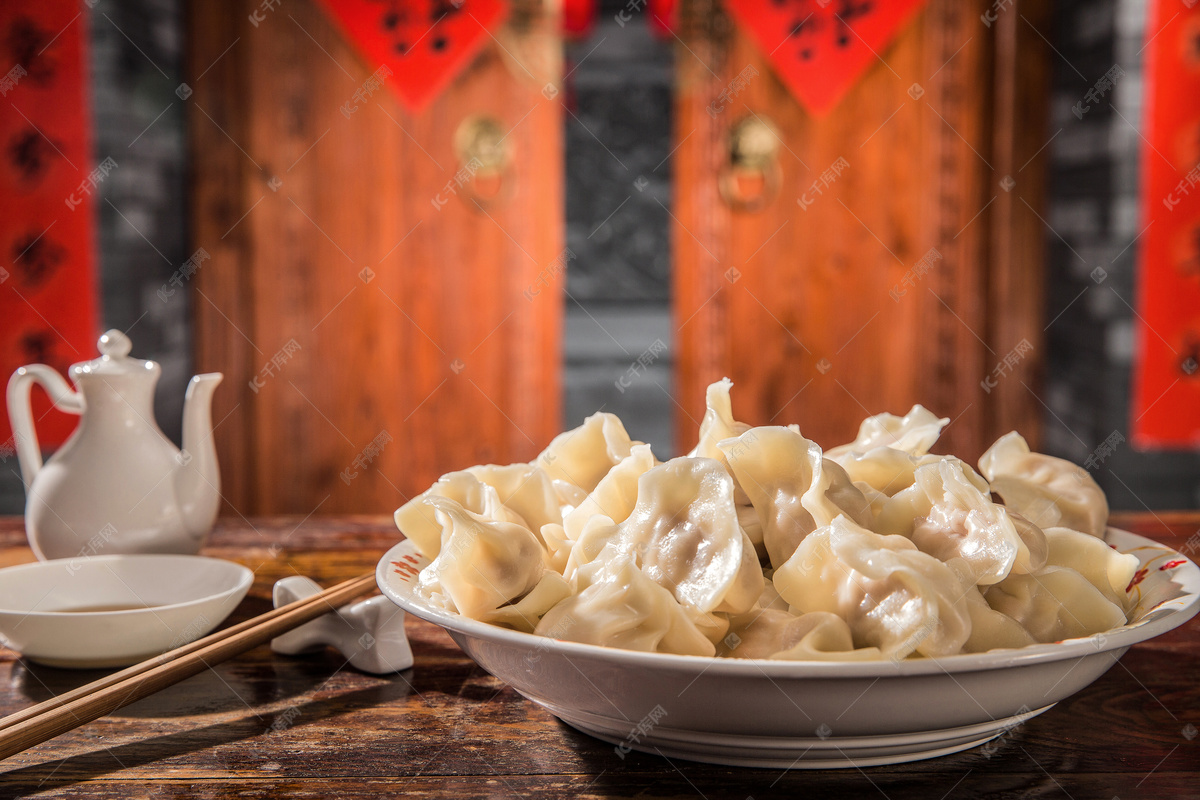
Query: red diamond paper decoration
[[820, 48], [425, 43]]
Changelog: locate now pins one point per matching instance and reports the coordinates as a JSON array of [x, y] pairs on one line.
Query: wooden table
[[264, 725]]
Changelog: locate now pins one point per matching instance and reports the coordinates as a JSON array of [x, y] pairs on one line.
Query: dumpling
[[1109, 571], [683, 533], [892, 595], [875, 500], [713, 626], [620, 606], [747, 517], [991, 630], [1055, 603], [417, 519], [914, 433], [614, 496], [584, 455], [483, 564], [526, 613], [794, 491], [1050, 492], [947, 515], [523, 489], [885, 469], [718, 423], [770, 597], [558, 547], [782, 636], [569, 496], [598, 533]]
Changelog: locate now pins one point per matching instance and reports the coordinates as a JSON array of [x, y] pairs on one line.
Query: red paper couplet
[[1166, 395], [820, 48], [424, 43], [47, 184]]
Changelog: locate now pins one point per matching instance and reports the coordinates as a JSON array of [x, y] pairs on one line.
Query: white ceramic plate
[[760, 713], [176, 599]]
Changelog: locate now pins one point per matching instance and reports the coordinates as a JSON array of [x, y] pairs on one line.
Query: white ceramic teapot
[[117, 485]]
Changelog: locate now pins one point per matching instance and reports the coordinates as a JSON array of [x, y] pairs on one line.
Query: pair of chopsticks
[[69, 710]]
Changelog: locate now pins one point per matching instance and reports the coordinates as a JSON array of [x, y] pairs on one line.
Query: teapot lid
[[114, 359]]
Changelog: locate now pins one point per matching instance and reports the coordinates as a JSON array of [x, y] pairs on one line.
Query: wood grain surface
[[394, 316], [264, 725], [942, 139]]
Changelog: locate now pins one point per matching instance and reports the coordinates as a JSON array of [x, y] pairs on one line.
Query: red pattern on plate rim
[[1173, 560], [405, 570]]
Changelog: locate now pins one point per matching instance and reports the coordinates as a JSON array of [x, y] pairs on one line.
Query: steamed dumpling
[[892, 595], [793, 489], [718, 423], [482, 564], [890, 471], [885, 469], [783, 636], [523, 489], [876, 500], [614, 496], [1055, 603], [584, 455], [914, 433], [991, 630], [526, 613], [1109, 571], [619, 606], [683, 533], [1050, 492], [558, 546], [418, 520], [947, 515]]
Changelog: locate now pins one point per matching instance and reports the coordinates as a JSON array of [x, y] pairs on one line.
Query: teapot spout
[[197, 479]]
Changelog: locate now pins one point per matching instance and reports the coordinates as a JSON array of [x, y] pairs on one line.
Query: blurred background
[[458, 228]]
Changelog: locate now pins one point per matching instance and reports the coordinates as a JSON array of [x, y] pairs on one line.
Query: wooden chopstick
[[170, 655], [59, 714]]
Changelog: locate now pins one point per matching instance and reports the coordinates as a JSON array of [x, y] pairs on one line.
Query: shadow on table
[[143, 751], [227, 687], [1006, 773]]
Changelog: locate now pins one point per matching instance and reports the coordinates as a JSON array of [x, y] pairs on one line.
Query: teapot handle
[[20, 414]]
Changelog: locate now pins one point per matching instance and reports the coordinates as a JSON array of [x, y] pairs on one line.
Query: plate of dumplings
[[761, 602]]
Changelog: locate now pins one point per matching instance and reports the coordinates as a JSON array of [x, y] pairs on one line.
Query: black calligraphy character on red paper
[[36, 257], [1189, 362], [409, 30], [805, 30], [847, 12], [30, 154], [29, 46], [807, 25]]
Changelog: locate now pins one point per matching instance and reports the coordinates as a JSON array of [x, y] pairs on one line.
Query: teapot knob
[[114, 344]]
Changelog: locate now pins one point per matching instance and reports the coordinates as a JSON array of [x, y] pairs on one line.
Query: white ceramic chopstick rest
[[369, 633]]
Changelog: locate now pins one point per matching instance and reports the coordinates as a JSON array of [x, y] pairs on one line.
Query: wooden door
[[804, 302], [373, 318]]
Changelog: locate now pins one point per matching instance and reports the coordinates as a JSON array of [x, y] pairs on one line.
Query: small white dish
[[793, 714], [112, 611]]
